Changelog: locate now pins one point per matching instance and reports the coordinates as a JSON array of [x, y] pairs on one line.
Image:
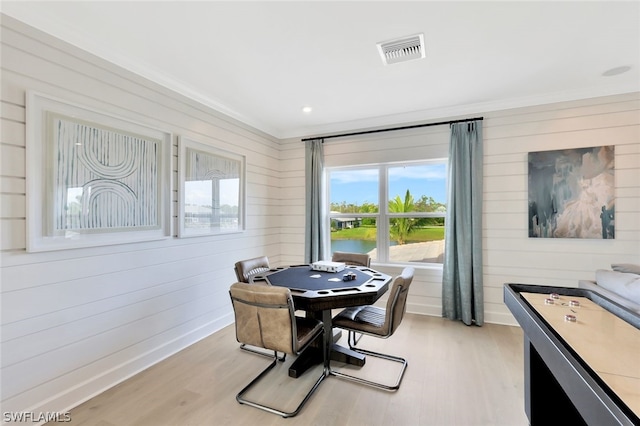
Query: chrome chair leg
[[240, 396], [247, 348], [351, 338]]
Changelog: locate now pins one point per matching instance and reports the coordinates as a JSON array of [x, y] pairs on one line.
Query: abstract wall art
[[93, 179], [211, 190], [572, 193]]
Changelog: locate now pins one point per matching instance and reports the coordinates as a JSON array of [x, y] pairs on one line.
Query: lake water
[[356, 246], [359, 246], [352, 246]]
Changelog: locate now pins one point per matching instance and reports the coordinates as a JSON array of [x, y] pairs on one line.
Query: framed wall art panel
[[211, 193], [92, 178], [572, 193]]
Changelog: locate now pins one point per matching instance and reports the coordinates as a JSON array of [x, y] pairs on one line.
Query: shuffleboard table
[[582, 356]]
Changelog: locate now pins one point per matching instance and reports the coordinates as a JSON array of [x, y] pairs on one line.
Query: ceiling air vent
[[402, 49]]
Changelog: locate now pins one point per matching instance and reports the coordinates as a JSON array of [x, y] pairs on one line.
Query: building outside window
[[407, 227]]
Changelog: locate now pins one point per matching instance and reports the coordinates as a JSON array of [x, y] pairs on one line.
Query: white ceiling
[[261, 62]]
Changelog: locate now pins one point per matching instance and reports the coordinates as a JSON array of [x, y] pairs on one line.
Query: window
[[211, 188], [407, 228]]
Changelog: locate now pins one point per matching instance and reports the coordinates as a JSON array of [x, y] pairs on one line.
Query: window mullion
[[383, 221]]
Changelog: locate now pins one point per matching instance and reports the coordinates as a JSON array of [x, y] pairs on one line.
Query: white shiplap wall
[[509, 135], [75, 322], [512, 257]]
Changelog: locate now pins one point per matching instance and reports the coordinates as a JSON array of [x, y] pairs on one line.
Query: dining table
[[318, 293]]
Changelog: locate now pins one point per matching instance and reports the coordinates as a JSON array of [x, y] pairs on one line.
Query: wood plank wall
[[75, 322], [509, 135]]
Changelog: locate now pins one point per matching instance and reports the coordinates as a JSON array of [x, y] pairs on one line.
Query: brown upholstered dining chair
[[246, 268], [358, 259], [379, 322], [265, 317]]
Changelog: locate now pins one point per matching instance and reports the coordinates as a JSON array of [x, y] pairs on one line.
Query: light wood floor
[[457, 375]]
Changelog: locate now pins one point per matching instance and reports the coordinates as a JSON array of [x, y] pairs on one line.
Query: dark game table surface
[[319, 290]]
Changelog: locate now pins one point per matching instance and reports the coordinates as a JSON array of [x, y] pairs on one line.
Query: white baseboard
[[67, 399], [489, 317]]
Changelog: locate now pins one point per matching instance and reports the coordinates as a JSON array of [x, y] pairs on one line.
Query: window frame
[[383, 215]]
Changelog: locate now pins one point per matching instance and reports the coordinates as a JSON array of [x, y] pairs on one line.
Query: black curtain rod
[[394, 128]]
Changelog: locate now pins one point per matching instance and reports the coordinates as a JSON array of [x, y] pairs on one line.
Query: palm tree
[[401, 227]]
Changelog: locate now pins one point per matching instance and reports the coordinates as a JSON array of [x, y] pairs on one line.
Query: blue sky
[[360, 186], [200, 193]]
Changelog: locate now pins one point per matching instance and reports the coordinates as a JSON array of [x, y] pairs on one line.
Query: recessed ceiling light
[[307, 109], [616, 71]]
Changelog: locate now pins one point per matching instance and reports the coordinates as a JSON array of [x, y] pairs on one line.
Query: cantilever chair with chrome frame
[[358, 259], [378, 322], [354, 259], [244, 270], [265, 317]]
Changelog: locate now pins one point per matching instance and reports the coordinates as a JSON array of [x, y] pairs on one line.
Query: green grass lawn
[[366, 233]]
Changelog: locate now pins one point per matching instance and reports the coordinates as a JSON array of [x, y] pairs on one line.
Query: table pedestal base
[[313, 356], [347, 356]]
